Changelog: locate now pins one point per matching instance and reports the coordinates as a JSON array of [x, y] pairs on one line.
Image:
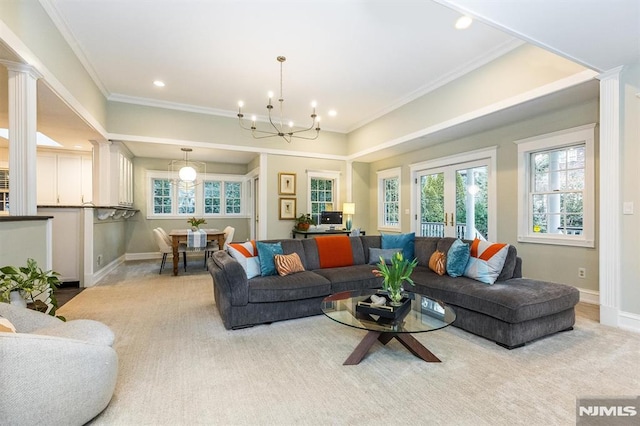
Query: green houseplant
[[304, 221], [195, 223], [395, 275], [30, 282]]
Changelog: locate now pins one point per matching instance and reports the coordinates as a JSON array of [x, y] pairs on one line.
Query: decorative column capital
[[21, 68]]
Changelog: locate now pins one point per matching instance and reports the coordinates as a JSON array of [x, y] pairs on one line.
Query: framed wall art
[[287, 208], [286, 183]]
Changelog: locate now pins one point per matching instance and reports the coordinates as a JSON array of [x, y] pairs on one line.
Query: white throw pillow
[[247, 256]]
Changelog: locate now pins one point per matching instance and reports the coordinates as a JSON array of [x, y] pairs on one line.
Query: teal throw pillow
[[266, 253], [406, 242], [457, 258]]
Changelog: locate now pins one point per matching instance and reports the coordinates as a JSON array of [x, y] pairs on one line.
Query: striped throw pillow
[[287, 264], [438, 262]]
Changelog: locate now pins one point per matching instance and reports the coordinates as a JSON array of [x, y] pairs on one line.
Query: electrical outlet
[[99, 259], [582, 273]]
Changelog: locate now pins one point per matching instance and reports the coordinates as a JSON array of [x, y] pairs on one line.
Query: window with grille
[[556, 174], [4, 190], [322, 196], [210, 196], [323, 192], [389, 199]]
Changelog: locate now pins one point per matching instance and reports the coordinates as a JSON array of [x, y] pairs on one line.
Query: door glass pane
[[432, 205], [472, 203]]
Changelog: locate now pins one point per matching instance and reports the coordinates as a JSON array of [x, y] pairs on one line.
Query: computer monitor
[[331, 218]]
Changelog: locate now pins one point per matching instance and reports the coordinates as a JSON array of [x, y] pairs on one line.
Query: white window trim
[[324, 174], [199, 212], [576, 135], [395, 172]]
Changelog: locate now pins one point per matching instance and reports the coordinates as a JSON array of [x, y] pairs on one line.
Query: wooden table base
[[407, 340]]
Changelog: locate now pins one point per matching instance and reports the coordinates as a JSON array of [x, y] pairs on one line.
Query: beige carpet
[[179, 366]]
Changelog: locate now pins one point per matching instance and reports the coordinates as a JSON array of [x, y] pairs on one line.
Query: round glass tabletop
[[420, 314]]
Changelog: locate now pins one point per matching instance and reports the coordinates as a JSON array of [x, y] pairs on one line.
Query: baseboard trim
[[589, 296], [97, 276], [629, 321], [143, 256]]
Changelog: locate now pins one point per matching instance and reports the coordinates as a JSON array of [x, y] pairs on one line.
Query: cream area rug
[[179, 366]]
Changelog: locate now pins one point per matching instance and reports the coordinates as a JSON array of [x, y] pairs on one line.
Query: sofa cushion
[[370, 241], [512, 301], [287, 264], [457, 258], [354, 277], [274, 288], [486, 261], [334, 251], [247, 256], [424, 248], [266, 252], [404, 241], [375, 254]]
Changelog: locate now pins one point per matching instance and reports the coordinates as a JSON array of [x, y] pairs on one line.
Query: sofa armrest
[[26, 320], [50, 370], [229, 278]]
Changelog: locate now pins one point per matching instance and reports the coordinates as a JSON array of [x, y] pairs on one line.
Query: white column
[[103, 178], [22, 138], [610, 209]]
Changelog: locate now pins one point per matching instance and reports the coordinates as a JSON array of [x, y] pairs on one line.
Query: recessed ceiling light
[[332, 113], [463, 22], [158, 83]]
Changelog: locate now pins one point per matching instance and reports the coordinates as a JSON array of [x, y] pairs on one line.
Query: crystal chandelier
[[278, 127]]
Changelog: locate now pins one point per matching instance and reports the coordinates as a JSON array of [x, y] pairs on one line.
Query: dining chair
[[213, 245], [165, 246]]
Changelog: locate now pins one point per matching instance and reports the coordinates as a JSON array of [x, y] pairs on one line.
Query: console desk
[[322, 232]]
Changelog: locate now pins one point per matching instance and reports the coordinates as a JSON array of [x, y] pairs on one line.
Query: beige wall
[[544, 262], [630, 264], [278, 163], [135, 120], [139, 228], [22, 240], [109, 241], [29, 21], [523, 69]]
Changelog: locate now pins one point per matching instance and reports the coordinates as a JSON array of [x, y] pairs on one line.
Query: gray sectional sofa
[[511, 312]]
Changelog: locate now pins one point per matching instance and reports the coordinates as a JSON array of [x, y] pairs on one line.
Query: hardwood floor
[[588, 311]]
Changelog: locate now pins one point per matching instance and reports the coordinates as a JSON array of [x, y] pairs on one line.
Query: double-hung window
[[323, 192], [389, 199], [210, 196], [556, 188], [4, 190]]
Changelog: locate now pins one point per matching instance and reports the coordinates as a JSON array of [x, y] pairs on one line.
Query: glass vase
[[395, 294]]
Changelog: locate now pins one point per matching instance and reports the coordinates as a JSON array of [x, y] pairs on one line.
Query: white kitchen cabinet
[[64, 179]]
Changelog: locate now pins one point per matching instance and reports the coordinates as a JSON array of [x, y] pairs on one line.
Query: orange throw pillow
[[288, 264], [334, 251], [438, 262]]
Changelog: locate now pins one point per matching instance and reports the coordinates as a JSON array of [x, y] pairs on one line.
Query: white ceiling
[[361, 58]]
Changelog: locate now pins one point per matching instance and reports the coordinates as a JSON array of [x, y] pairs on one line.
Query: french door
[[454, 201]]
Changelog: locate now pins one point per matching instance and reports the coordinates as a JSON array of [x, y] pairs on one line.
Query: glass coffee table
[[420, 315]]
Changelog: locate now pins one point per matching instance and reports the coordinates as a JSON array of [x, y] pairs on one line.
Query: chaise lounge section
[[511, 312]]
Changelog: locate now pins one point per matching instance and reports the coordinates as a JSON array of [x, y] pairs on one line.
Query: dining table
[[180, 235]]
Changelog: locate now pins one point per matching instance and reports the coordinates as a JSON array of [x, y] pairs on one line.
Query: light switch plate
[[627, 207]]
